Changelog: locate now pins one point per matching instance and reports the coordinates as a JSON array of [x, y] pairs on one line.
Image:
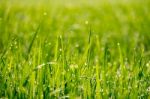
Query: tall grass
[[74, 49]]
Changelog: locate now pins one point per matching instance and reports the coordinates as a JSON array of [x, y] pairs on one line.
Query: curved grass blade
[[33, 39]]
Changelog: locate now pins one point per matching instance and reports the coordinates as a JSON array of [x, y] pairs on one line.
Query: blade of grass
[[32, 41]]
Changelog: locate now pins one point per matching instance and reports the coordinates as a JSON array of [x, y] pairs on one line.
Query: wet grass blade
[[32, 41]]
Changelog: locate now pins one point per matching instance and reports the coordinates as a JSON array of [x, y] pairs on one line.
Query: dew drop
[[45, 13], [118, 44], [86, 22]]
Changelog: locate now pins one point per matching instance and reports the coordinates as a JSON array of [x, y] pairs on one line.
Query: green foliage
[[74, 49]]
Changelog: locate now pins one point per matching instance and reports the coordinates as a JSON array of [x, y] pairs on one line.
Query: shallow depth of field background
[[75, 49]]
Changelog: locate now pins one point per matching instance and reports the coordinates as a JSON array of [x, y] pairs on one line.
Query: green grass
[[75, 49]]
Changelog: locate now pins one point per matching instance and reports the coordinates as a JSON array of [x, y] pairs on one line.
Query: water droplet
[[73, 66], [30, 62], [77, 45], [118, 44], [85, 64], [148, 64], [46, 54], [49, 43], [64, 72], [60, 36], [86, 22], [45, 13], [118, 73], [60, 49], [101, 90], [15, 42]]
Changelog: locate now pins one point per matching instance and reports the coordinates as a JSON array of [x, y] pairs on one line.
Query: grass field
[[76, 49]]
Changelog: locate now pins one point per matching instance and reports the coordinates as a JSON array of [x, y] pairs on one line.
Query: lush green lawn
[[75, 49]]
